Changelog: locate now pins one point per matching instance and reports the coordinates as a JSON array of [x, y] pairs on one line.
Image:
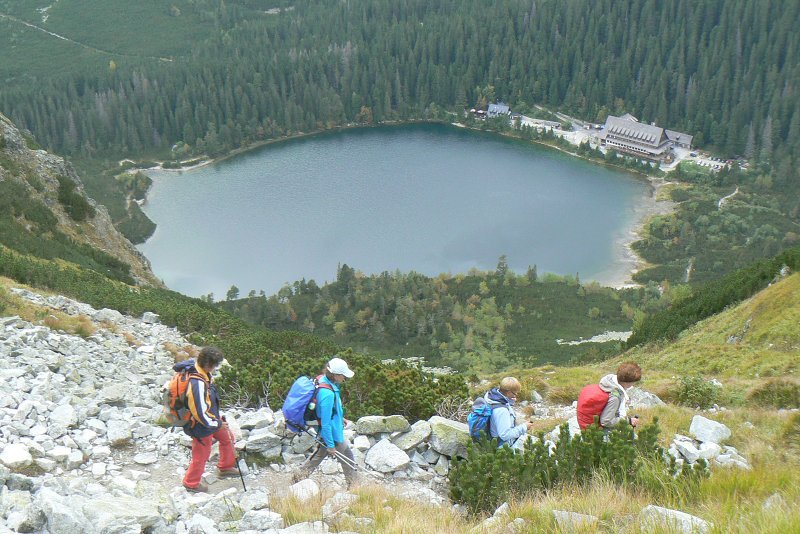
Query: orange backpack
[[176, 409]]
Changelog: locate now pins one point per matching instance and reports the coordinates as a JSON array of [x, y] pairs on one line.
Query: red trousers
[[201, 450]]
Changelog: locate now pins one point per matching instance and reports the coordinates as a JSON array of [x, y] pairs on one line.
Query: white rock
[[151, 318], [304, 490], [709, 450], [99, 469], [308, 527], [16, 456], [74, 460], [260, 418], [254, 500], [261, 520], [688, 451], [502, 510], [655, 517], [119, 513], [338, 503], [118, 432], [419, 432], [573, 521], [449, 437], [59, 453], [146, 458], [643, 399], [63, 516], [387, 457], [377, 424], [361, 443], [708, 430], [63, 415], [200, 524], [442, 466]]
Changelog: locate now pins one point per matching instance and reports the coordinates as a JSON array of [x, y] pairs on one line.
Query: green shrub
[[776, 393], [75, 204], [489, 476], [695, 391]]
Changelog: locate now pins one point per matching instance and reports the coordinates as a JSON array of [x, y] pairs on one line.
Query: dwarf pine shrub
[[695, 391], [489, 475]]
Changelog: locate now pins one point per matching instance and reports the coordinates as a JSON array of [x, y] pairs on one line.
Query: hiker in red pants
[[206, 425]]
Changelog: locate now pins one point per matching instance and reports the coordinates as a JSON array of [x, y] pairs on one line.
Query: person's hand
[[332, 452], [634, 421], [529, 425]]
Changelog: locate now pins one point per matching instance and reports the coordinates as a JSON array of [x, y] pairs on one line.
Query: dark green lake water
[[427, 198]]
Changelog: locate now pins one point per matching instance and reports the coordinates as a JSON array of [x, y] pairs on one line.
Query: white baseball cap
[[338, 366]]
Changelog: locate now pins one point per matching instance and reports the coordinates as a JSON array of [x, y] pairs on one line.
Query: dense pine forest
[[726, 71]]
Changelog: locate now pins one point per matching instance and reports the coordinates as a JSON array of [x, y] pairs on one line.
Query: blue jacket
[[203, 401], [330, 414], [503, 423]]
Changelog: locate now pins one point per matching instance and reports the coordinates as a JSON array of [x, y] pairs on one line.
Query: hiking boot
[[228, 472], [200, 488]]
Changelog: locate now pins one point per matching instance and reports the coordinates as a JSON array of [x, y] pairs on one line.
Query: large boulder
[[257, 419], [387, 457], [62, 517], [449, 437], [655, 517], [63, 415], [263, 441], [377, 424], [708, 430], [121, 513], [419, 432]]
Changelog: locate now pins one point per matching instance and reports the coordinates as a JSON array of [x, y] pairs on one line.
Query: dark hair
[[629, 372], [210, 357]]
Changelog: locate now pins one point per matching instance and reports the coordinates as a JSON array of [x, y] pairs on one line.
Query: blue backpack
[[300, 404], [479, 419]]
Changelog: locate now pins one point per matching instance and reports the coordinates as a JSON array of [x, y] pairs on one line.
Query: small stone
[[16, 456], [146, 458], [304, 490]]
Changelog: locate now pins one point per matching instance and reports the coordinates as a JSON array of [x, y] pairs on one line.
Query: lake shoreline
[[626, 261]]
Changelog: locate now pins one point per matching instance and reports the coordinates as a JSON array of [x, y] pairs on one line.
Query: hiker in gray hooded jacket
[[503, 424]]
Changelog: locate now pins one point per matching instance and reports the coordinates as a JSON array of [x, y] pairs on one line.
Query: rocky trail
[[82, 450]]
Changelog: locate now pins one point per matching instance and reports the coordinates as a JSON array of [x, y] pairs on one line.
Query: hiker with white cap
[[330, 415]]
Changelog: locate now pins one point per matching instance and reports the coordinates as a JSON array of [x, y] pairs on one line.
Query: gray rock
[[656, 517], [708, 430], [63, 516], [302, 443], [260, 418], [536, 398], [118, 513], [376, 424], [572, 521], [442, 466], [431, 456], [262, 440], [643, 399], [261, 520], [775, 502], [386, 457], [254, 500], [116, 394], [151, 318], [108, 316], [449, 437], [419, 432]]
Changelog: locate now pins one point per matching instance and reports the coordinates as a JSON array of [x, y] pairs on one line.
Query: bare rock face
[[38, 171]]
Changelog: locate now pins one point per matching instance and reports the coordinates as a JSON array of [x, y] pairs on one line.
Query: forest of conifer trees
[[728, 72]]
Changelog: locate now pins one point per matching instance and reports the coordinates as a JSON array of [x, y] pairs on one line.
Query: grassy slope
[[768, 345]]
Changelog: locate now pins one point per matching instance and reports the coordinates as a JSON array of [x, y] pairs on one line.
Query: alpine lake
[[426, 198]]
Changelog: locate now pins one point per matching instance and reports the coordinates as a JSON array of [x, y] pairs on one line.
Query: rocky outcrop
[[38, 170]]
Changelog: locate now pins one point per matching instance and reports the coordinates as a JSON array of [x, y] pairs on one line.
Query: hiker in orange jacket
[[609, 400], [207, 425]]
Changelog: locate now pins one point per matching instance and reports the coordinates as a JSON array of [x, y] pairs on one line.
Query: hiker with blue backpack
[[330, 416], [493, 414]]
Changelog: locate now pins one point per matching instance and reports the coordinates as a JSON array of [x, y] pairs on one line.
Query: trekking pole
[[236, 459], [342, 458]]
